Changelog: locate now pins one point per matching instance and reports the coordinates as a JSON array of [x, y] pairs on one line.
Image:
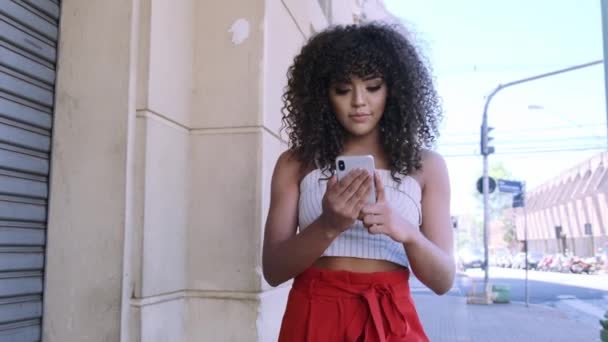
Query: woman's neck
[[368, 144]]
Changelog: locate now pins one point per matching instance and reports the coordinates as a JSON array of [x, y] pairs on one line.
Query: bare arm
[[286, 253], [430, 251]]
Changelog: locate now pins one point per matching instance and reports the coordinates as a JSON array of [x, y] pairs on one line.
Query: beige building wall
[[166, 134], [574, 198]]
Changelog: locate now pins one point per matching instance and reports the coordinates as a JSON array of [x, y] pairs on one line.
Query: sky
[[541, 128]]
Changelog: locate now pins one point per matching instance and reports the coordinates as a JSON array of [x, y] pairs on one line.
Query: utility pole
[[487, 150], [604, 4], [524, 200]]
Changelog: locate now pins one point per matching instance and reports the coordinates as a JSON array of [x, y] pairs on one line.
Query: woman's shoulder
[[433, 165], [290, 168], [431, 157]]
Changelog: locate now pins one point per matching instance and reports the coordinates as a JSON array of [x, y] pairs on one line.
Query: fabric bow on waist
[[379, 319]]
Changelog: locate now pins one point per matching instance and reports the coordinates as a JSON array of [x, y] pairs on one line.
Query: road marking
[[563, 297], [579, 305], [455, 290]]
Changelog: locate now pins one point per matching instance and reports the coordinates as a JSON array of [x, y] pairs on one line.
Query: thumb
[[379, 188], [375, 229], [332, 182]]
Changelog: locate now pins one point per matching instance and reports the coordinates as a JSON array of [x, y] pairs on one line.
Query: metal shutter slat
[[26, 42], [17, 111], [20, 331], [20, 308], [22, 162], [20, 137], [47, 7], [21, 284], [22, 187], [19, 211], [20, 259], [27, 90], [29, 19], [26, 66], [21, 236]]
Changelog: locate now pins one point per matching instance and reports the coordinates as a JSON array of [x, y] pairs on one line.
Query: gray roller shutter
[[28, 43]]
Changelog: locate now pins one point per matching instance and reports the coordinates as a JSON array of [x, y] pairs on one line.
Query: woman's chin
[[360, 131]]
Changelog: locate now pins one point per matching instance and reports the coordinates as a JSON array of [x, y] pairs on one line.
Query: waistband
[[345, 283], [380, 317]]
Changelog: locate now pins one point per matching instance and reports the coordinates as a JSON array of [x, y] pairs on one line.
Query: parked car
[[472, 258], [502, 258], [534, 258]]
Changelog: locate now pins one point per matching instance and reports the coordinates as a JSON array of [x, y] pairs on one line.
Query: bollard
[[501, 293]]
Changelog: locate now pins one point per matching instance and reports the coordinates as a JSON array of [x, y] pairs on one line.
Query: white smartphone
[[345, 164]]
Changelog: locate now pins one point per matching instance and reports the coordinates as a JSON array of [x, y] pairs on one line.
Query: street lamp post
[[487, 150], [604, 5]]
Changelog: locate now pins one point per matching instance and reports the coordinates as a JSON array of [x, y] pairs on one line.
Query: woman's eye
[[341, 91], [374, 88]]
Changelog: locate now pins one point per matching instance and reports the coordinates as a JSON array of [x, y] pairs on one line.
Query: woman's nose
[[358, 99]]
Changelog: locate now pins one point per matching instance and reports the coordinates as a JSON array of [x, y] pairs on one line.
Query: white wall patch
[[240, 31]]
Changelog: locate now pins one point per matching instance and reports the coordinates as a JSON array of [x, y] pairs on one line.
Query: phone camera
[[341, 165]]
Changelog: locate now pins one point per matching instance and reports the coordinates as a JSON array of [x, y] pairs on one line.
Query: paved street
[[564, 307], [582, 297]]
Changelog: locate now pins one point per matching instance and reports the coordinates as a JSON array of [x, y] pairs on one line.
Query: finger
[[359, 199], [379, 188], [354, 185], [372, 209], [358, 196], [370, 220], [376, 229], [362, 192], [357, 210], [345, 182], [331, 183]]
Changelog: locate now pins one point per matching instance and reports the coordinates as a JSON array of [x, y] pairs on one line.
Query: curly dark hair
[[412, 111]]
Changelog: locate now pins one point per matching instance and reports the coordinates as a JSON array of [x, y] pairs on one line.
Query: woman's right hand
[[343, 200]]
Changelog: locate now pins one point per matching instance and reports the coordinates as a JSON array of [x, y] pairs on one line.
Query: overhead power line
[[503, 142], [528, 129], [524, 152]]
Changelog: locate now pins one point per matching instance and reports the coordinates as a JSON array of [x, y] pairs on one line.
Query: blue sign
[[518, 201], [491, 184], [513, 187]]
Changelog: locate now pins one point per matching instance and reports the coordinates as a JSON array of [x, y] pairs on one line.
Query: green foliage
[[499, 203], [604, 330]]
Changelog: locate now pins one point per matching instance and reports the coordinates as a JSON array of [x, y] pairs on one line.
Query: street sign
[[509, 186], [491, 184], [518, 200]]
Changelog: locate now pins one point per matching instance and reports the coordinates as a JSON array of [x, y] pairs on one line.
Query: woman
[[358, 90]]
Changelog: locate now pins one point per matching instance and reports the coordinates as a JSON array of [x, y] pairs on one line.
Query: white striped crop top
[[356, 241]]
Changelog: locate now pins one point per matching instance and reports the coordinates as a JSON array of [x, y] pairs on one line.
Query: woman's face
[[359, 104]]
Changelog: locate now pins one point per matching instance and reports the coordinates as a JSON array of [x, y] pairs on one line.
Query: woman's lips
[[360, 117]]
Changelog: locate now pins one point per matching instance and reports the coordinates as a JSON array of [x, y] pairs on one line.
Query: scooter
[[582, 266]]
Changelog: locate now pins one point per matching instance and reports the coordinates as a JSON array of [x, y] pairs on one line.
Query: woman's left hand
[[380, 218]]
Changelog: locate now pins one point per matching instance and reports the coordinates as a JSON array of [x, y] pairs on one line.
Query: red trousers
[[330, 306]]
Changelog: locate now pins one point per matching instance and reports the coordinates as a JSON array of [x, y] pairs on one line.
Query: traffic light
[[486, 149]]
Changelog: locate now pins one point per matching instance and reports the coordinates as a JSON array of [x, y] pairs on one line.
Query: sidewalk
[[450, 318]]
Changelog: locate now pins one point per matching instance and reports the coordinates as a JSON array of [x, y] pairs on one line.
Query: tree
[[500, 205]]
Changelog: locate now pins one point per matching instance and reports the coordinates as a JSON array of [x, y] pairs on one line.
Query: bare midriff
[[356, 264]]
